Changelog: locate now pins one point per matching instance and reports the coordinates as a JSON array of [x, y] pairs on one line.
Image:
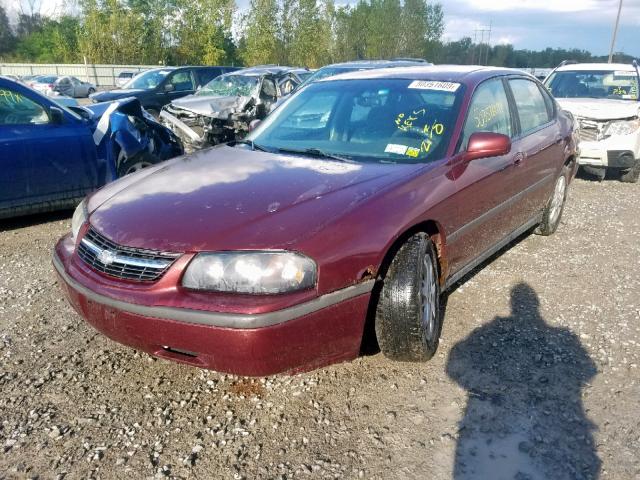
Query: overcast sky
[[537, 24], [533, 24]]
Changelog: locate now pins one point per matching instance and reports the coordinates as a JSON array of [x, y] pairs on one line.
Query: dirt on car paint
[[536, 377]]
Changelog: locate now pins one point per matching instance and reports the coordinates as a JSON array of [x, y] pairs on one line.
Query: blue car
[[51, 156]]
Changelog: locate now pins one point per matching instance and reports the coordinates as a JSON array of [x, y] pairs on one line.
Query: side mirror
[[254, 124], [487, 144], [169, 87], [56, 116]]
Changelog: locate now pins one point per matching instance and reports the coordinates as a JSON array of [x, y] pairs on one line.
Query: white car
[[604, 99]]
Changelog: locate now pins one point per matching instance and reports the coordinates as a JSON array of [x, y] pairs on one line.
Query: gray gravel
[[536, 377]]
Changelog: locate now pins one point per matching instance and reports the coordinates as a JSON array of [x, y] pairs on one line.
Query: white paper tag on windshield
[[624, 73], [433, 85], [395, 148]]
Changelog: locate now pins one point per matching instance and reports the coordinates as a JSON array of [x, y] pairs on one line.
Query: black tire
[[631, 175], [555, 205], [401, 332], [90, 91]]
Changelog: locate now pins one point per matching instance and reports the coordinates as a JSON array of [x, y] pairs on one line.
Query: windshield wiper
[[254, 146], [316, 152]]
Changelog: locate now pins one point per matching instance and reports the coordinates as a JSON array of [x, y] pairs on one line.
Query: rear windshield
[[621, 85], [381, 120]]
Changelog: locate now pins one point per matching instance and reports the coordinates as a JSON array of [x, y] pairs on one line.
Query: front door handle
[[519, 158]]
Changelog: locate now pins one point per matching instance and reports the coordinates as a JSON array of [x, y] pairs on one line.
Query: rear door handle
[[519, 158]]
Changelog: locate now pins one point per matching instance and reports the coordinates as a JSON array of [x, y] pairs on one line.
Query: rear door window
[[488, 112], [532, 108], [205, 75]]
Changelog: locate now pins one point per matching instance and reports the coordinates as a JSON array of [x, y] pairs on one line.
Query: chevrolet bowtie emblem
[[106, 257]]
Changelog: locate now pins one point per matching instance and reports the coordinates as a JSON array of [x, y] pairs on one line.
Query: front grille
[[591, 130], [118, 261]]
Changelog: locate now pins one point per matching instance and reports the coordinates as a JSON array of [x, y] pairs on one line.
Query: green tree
[[7, 39], [312, 34], [262, 45]]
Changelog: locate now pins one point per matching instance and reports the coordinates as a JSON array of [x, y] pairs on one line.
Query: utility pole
[[482, 48], [615, 32]]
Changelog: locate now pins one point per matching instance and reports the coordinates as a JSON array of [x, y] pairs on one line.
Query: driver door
[[487, 192], [43, 160], [268, 96]]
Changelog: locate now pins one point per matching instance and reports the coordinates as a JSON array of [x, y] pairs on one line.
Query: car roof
[[596, 66], [264, 70], [370, 64], [443, 73]]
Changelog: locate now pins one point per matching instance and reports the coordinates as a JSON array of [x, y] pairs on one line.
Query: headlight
[[250, 272], [78, 219], [622, 127]]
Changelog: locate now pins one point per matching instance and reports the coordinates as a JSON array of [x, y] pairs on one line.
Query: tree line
[[307, 33]]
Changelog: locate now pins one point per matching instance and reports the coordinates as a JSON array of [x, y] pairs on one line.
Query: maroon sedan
[[365, 195]]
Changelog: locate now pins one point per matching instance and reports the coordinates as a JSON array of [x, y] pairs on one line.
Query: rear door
[[486, 191], [540, 141]]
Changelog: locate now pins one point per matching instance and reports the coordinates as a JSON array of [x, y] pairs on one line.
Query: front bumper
[[613, 152], [305, 336]]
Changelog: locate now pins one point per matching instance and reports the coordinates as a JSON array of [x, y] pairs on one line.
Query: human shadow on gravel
[[524, 418]]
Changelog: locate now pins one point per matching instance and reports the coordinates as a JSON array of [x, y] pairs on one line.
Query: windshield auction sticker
[[433, 85], [395, 148]]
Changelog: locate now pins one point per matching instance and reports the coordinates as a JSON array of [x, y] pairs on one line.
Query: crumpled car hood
[[229, 198], [600, 108], [212, 106]]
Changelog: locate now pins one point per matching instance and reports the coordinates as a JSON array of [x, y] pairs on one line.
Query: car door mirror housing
[[169, 87], [56, 116], [487, 144]]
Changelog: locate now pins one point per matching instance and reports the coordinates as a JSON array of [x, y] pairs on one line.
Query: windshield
[[621, 85], [386, 120], [230, 85], [147, 80]]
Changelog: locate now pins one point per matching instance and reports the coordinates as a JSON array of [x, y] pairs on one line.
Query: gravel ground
[[536, 377]]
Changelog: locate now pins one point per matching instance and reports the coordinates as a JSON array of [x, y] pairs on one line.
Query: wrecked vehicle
[[53, 155], [222, 110], [604, 99]]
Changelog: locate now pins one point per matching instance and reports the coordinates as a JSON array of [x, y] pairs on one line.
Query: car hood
[[600, 108], [228, 198], [116, 94], [211, 106]]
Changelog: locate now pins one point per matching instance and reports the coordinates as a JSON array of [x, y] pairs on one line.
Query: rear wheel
[[408, 316], [555, 206]]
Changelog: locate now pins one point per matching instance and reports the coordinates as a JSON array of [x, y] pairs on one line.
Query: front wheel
[[631, 175], [408, 316], [555, 206], [91, 91], [137, 162]]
